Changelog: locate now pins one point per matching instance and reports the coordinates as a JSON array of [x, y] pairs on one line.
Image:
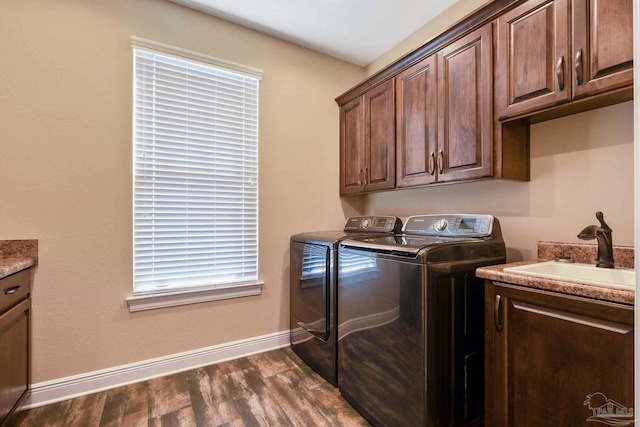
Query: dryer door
[[310, 279]]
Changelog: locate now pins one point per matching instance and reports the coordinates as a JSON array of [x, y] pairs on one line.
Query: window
[[195, 219]]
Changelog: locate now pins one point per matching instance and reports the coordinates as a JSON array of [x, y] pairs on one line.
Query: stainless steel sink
[[580, 273]]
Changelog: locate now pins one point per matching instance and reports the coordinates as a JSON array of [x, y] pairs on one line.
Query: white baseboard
[[53, 391]]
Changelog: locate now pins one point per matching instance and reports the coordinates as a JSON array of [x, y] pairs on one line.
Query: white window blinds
[[195, 173]]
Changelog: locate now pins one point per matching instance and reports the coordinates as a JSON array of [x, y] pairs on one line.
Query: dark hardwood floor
[[274, 388]]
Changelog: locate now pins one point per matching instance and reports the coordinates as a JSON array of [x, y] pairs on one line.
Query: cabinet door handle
[[496, 313], [366, 173], [579, 65], [360, 177], [560, 73], [12, 290], [432, 163], [440, 162]]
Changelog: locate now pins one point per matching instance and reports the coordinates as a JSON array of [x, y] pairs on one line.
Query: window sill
[[173, 299]]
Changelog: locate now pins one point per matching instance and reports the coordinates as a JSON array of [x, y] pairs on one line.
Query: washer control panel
[[450, 225], [374, 224]]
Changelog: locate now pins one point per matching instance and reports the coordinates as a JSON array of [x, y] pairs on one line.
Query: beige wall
[[65, 173], [579, 165]]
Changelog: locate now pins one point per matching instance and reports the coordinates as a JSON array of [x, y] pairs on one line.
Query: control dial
[[441, 224], [366, 223]]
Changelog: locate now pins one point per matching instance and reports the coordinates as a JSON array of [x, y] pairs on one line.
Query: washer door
[[310, 279]]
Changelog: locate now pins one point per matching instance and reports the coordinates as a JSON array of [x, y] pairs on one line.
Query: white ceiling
[[358, 31]]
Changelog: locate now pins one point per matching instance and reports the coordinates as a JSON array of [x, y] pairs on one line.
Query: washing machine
[[411, 324], [313, 288]]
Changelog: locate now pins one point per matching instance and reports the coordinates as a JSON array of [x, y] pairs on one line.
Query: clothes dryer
[[313, 289]]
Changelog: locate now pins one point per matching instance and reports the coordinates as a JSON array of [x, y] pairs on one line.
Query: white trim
[[172, 299], [165, 49], [60, 389]]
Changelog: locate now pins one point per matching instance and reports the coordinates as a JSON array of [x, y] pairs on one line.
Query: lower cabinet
[[556, 360], [14, 344]]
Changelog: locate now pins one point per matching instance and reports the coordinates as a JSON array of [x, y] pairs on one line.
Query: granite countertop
[[496, 273], [8, 266], [16, 255], [578, 252]]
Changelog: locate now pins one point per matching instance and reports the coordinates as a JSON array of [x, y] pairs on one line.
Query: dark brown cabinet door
[[551, 51], [14, 357], [602, 45], [352, 147], [555, 359], [465, 99], [417, 116], [367, 141], [380, 137], [532, 55]]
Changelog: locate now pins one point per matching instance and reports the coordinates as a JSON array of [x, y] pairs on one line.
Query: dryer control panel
[[374, 224], [450, 225]]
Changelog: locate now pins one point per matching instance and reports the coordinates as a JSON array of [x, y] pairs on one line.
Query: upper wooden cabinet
[[551, 51], [459, 107], [465, 140], [417, 116], [602, 45], [367, 141], [531, 50], [444, 116]]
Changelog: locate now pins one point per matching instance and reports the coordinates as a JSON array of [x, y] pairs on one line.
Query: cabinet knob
[[366, 173], [560, 73], [360, 177], [440, 162], [579, 66]]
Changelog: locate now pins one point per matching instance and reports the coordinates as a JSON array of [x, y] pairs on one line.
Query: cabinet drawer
[[14, 288]]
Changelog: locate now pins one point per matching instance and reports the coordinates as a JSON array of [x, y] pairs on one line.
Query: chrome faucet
[[605, 244]]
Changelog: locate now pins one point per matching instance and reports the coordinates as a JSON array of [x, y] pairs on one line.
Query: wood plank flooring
[[274, 388]]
